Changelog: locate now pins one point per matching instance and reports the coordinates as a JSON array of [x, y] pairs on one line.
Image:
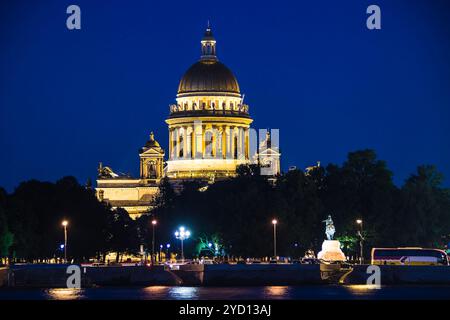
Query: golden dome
[[208, 76]]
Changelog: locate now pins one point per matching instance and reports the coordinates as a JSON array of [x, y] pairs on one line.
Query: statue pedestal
[[331, 251]]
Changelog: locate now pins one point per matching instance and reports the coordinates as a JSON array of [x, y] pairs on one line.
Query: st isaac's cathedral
[[209, 137]]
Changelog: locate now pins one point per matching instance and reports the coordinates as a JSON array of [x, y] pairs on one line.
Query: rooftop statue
[[106, 172]]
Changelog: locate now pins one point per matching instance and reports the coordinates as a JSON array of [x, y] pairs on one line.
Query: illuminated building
[[209, 137], [134, 195], [209, 124]]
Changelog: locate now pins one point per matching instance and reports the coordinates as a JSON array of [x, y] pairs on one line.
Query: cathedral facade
[[209, 137]]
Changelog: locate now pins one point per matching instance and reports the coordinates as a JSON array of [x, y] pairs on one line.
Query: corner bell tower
[[151, 161]]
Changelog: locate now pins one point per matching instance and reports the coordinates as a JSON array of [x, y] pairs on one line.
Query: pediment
[[269, 152], [153, 152]]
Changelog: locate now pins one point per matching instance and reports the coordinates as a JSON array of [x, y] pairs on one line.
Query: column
[[239, 141], [232, 142], [177, 143], [193, 143], [214, 137], [197, 139], [171, 139], [203, 141], [229, 142], [247, 144], [185, 142], [224, 142], [188, 142]]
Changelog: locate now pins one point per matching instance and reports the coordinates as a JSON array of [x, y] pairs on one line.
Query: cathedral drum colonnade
[[209, 124], [209, 137]]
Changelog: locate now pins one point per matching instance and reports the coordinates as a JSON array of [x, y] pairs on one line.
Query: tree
[[300, 212], [36, 210], [6, 237], [361, 189], [122, 233], [235, 213], [424, 215]]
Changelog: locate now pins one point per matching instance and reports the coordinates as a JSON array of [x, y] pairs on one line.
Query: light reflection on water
[[324, 292], [276, 292], [183, 293], [65, 294], [363, 287]]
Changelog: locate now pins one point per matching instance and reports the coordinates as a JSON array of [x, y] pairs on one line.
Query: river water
[[329, 292]]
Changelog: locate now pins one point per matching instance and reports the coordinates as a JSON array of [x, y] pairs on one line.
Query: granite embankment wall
[[133, 276], [188, 275], [54, 276], [43, 275], [261, 274], [399, 275], [3, 276]]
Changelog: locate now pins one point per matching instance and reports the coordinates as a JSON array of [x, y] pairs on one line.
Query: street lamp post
[[64, 224], [274, 222], [182, 234], [167, 252], [361, 239], [154, 222]]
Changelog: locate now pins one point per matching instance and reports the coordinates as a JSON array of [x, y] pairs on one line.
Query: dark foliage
[[236, 212]]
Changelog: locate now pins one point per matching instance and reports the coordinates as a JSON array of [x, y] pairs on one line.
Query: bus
[[409, 257]]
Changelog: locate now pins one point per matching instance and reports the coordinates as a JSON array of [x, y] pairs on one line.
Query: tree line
[[233, 217]]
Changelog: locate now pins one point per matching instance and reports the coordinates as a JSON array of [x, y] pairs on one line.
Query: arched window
[[151, 169]]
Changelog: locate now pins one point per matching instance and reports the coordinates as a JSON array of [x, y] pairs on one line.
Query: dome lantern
[[208, 44]]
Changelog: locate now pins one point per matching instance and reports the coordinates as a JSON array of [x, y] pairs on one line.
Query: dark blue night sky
[[69, 99]]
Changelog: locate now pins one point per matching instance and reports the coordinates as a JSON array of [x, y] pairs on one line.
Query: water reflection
[[275, 292], [183, 293], [319, 292], [155, 292], [363, 290], [64, 294], [363, 287]]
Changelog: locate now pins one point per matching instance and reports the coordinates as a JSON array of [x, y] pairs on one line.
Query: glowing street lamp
[[274, 222], [361, 239], [182, 234], [154, 222], [167, 251], [65, 223]]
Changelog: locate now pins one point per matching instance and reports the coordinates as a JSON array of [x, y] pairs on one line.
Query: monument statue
[[329, 228], [331, 249]]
